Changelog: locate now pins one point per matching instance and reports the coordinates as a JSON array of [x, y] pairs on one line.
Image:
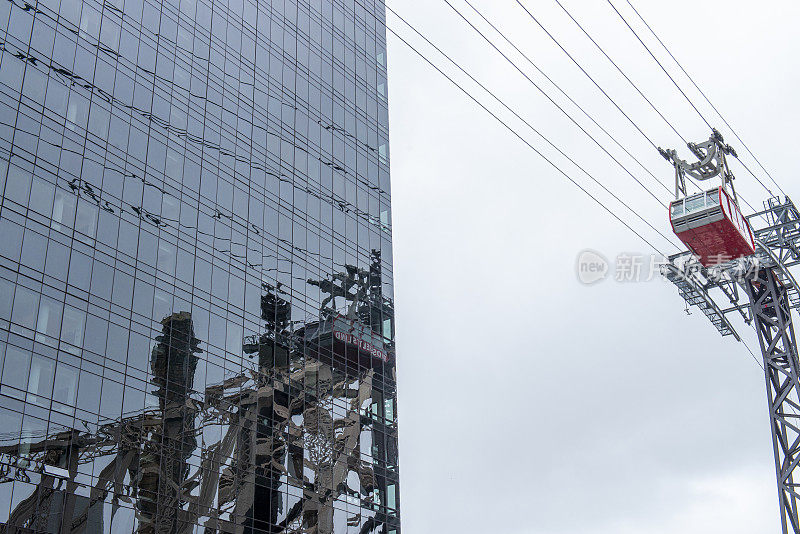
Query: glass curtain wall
[[196, 297]]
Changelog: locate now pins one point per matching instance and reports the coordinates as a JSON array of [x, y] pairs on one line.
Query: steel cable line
[[602, 51], [752, 354], [559, 107], [527, 58], [609, 97], [535, 66], [525, 75], [606, 94], [679, 88], [706, 99], [540, 135], [521, 138], [586, 73], [509, 60], [529, 125], [600, 48], [659, 63]]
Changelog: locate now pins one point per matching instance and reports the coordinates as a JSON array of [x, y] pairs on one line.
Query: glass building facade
[[196, 314]]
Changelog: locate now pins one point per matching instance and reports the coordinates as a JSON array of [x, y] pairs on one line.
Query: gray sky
[[530, 403]]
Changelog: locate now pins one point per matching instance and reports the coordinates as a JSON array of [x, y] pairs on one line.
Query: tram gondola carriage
[[712, 226]]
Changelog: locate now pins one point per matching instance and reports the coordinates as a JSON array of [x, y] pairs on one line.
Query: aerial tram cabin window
[[712, 226]]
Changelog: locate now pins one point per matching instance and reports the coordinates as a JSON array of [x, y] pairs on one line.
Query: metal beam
[[773, 322]]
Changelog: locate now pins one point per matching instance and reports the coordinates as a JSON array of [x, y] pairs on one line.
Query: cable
[[521, 138], [530, 61], [705, 97], [606, 94], [511, 62], [742, 163], [699, 188], [587, 74], [675, 84], [659, 63], [553, 101], [555, 104], [529, 125], [600, 48], [752, 354]]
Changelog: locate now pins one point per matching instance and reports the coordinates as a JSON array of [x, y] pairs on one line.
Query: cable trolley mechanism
[[710, 223]]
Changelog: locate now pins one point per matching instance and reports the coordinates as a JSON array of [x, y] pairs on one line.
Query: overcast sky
[[531, 403]]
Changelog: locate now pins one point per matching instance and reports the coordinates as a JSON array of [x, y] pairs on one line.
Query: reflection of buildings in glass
[[305, 429], [144, 456], [168, 438], [308, 422], [324, 438], [196, 328]]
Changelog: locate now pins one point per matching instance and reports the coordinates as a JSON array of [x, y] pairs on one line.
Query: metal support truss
[[773, 322], [715, 291], [782, 232], [772, 293], [695, 294]]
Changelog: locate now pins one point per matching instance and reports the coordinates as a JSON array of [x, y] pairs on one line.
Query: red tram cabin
[[712, 226]]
